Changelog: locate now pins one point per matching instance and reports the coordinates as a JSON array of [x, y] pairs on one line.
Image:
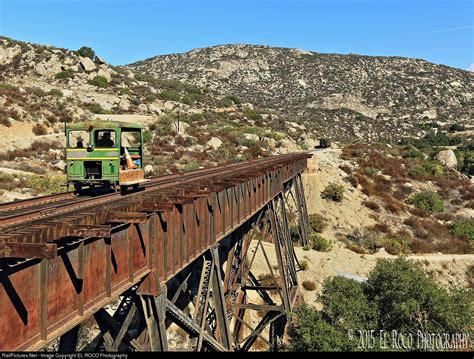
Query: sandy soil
[[344, 217], [20, 135]]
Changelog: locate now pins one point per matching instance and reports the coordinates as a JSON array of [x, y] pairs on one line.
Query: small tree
[[309, 332], [85, 51], [398, 295], [346, 305]]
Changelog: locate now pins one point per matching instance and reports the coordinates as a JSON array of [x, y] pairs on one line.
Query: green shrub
[[345, 304], [464, 228], [99, 81], [85, 51], [191, 98], [229, 101], [56, 92], [427, 200], [317, 222], [125, 91], [47, 184], [64, 75], [295, 233], [225, 102], [191, 165], [465, 157], [431, 140], [277, 136], [333, 192], [147, 136], [145, 78], [5, 121], [309, 332], [304, 265], [407, 299], [6, 86], [398, 296], [7, 181], [164, 126], [174, 85], [427, 168], [397, 243], [236, 100], [413, 152], [170, 95], [370, 171], [252, 114], [319, 243], [456, 127], [197, 117], [98, 109]]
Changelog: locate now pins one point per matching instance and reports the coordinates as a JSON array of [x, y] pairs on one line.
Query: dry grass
[[372, 206], [356, 248], [382, 227], [267, 280], [391, 204], [431, 236], [445, 217], [346, 169], [419, 212], [353, 181]]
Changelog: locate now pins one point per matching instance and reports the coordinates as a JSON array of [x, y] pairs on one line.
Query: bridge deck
[[147, 240]]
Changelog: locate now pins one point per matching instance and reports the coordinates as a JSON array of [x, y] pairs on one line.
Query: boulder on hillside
[[56, 153], [447, 158], [87, 64], [149, 170], [48, 68], [105, 74], [214, 143], [59, 165], [180, 127], [99, 60], [7, 54], [251, 137]]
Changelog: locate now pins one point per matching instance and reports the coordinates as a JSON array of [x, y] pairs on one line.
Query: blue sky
[[123, 31]]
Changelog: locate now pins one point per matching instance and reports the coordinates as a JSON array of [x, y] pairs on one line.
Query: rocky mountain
[[187, 126], [344, 96]]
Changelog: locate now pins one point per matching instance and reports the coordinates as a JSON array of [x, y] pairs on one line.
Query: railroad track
[[14, 214]]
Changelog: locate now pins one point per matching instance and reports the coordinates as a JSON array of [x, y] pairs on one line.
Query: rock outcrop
[[447, 158]]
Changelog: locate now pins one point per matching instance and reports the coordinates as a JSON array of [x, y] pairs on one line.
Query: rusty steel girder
[[96, 256]]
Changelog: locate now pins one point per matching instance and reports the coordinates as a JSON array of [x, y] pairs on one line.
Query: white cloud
[[471, 67]]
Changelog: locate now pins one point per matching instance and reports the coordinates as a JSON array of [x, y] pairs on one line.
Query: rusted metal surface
[[87, 256], [131, 176]]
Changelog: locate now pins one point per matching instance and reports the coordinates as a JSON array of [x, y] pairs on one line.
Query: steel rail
[[76, 203]]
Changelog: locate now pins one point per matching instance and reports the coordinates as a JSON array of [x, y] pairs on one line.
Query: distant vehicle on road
[[324, 143]]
